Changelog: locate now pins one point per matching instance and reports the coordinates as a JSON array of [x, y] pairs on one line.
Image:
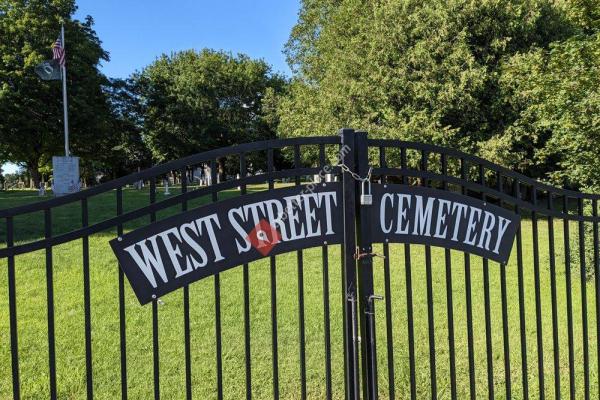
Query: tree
[[417, 70], [129, 152], [556, 94], [31, 123], [197, 101]]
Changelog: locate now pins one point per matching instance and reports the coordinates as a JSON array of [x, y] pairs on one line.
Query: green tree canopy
[[450, 72], [128, 150], [196, 101], [556, 94]]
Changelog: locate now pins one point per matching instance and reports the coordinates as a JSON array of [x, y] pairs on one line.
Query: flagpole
[[64, 85]]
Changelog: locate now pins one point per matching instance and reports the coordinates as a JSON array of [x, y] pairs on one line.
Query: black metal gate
[[528, 333]]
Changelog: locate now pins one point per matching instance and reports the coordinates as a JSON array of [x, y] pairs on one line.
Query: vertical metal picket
[[301, 318], [87, 302], [555, 342], [522, 322], [12, 306], [430, 312], [469, 301], [349, 268], [155, 341], [388, 298], [122, 320], [364, 257], [50, 304], [217, 291], [567, 246], [326, 308], [246, 283], [409, 298], [583, 281], [487, 303], [186, 308], [538, 295], [505, 330], [273, 283], [449, 300]]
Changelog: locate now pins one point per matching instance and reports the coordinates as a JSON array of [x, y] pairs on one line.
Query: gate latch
[[369, 310], [358, 255]]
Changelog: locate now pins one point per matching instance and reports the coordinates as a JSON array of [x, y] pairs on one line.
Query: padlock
[[366, 199]]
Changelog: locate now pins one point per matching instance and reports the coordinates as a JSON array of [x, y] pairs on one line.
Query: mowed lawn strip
[[69, 318]]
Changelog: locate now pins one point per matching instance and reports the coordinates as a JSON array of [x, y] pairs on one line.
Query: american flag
[[58, 52]]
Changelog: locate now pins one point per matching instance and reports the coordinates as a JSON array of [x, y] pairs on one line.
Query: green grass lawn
[[69, 320]]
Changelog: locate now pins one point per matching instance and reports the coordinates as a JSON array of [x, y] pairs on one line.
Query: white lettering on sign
[[152, 259], [417, 215], [192, 245]]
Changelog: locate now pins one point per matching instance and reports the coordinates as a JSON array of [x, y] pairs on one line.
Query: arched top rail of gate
[[415, 160]]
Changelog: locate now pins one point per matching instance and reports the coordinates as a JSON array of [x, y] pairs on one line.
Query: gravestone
[[65, 175]]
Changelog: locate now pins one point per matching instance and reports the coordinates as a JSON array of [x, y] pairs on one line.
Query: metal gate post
[[364, 258], [347, 158]]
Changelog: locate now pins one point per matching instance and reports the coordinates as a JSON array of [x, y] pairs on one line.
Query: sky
[[136, 32]]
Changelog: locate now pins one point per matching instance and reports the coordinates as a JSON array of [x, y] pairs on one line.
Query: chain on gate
[[366, 199]]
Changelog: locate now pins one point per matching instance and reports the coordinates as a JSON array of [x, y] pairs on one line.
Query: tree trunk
[[221, 170], [34, 172]]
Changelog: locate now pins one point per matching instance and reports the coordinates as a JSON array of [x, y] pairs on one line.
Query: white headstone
[[207, 176]]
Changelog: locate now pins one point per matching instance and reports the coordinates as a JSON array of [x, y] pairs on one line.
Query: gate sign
[[176, 251], [412, 214]]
